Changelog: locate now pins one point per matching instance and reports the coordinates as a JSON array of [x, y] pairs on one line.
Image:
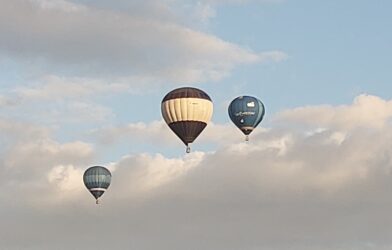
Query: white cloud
[[52, 87], [150, 172], [159, 133], [273, 56], [286, 189], [203, 12], [45, 153], [367, 111], [289, 150], [20, 131], [58, 5], [79, 112], [58, 100], [66, 178], [36, 169], [137, 131], [107, 43]]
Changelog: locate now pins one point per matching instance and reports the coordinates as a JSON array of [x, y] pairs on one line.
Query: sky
[[81, 83]]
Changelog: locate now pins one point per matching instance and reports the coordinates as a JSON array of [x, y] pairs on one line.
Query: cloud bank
[[72, 38], [303, 188]]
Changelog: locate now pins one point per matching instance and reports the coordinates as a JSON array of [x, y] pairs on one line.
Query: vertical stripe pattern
[[97, 179]]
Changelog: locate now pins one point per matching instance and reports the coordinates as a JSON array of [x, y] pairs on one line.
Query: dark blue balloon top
[[246, 112]]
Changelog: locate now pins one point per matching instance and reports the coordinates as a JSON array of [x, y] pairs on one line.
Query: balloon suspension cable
[[97, 201], [188, 149], [246, 138]]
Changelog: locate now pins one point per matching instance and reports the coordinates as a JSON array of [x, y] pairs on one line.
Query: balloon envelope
[[97, 180], [187, 111], [246, 112]]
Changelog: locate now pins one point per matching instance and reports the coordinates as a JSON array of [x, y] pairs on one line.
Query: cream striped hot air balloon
[[187, 112]]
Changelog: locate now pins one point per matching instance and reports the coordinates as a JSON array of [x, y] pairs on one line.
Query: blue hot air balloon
[[97, 180], [246, 112]]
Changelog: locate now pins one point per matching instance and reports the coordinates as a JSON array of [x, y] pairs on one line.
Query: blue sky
[[329, 45], [81, 83]]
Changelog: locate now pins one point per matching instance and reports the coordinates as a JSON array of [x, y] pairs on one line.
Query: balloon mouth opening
[[246, 130]]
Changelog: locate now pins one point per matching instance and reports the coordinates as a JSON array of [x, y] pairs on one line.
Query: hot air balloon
[[97, 180], [187, 112], [246, 112]]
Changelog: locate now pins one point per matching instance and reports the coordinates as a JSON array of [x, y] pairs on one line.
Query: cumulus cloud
[[157, 132], [98, 42], [31, 160], [57, 100], [367, 111], [24, 164], [20, 131], [58, 5], [52, 87], [66, 178], [286, 189], [137, 131], [191, 12], [150, 172]]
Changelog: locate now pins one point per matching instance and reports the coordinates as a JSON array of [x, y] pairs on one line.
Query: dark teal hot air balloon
[[246, 112], [97, 180]]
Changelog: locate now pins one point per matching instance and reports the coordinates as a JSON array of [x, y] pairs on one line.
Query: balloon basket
[[188, 149]]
